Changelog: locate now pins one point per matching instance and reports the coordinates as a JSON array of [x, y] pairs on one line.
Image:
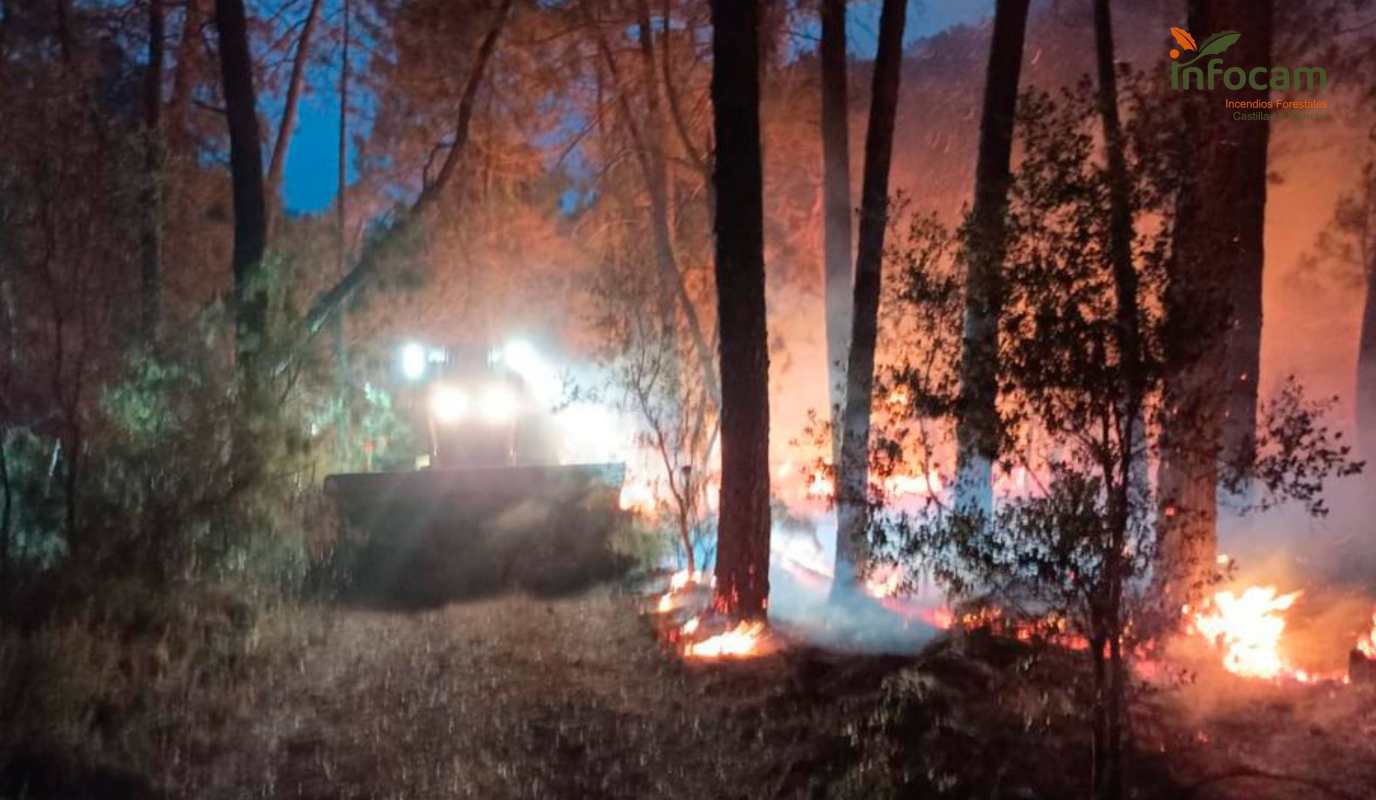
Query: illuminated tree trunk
[[1110, 687], [1366, 347], [977, 431], [648, 134], [742, 569], [852, 507], [246, 169], [1213, 308], [341, 354], [189, 63], [836, 207], [150, 239], [1248, 143], [284, 131]]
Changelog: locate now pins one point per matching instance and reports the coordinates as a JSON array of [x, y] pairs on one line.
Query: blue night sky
[[313, 160]]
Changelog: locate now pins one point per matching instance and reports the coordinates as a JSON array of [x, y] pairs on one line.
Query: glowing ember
[[690, 627], [1249, 627], [740, 641], [1367, 644]]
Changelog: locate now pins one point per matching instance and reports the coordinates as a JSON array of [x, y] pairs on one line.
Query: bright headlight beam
[[448, 404], [497, 405], [413, 357], [522, 358]]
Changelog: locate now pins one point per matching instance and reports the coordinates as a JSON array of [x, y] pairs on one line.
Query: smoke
[[802, 551]]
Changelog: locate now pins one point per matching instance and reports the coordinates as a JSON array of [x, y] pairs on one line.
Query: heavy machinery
[[488, 507]]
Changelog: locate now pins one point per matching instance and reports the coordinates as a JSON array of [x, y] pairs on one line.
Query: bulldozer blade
[[436, 535]]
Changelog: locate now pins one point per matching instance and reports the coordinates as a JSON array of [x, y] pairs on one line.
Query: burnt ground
[[517, 697]]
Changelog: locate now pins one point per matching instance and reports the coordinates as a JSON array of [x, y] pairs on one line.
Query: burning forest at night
[[687, 399]]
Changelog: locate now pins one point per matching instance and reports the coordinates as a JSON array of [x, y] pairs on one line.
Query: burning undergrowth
[[1249, 628]]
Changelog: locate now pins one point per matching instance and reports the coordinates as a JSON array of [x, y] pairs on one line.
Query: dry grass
[[517, 697]]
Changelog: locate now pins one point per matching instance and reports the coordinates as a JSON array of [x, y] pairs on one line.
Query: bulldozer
[[489, 507]]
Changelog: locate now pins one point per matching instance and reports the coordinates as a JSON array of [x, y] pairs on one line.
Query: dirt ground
[[518, 697]]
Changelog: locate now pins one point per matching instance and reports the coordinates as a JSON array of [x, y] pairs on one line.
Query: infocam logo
[[1192, 74]]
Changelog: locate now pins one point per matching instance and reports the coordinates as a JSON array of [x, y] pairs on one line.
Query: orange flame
[[884, 581], [1367, 644], [1248, 628], [740, 641]]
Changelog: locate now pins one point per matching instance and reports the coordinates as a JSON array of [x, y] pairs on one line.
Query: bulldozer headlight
[[448, 404], [413, 360], [497, 405]]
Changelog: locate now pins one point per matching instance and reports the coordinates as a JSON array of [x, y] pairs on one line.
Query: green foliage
[[1084, 526], [1079, 421], [35, 498]]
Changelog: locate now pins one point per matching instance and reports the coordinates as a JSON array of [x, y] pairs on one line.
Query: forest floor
[[519, 697]]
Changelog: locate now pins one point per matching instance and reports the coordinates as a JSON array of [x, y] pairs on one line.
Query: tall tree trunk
[[1109, 778], [649, 140], [284, 131], [65, 36], [6, 507], [190, 60], [1213, 308], [246, 170], [1366, 346], [341, 354], [852, 507], [977, 431], [836, 207], [1248, 144], [742, 570], [150, 238]]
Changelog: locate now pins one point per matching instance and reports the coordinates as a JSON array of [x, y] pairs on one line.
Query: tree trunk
[[1366, 346], [1248, 145], [65, 36], [1213, 308], [246, 169], [1109, 776], [189, 62], [852, 508], [284, 131], [742, 569], [648, 141], [7, 509], [1099, 713], [836, 207], [977, 431], [150, 238], [376, 248], [341, 353]]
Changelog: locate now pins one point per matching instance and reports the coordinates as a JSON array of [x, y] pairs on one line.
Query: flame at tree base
[[741, 641]]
